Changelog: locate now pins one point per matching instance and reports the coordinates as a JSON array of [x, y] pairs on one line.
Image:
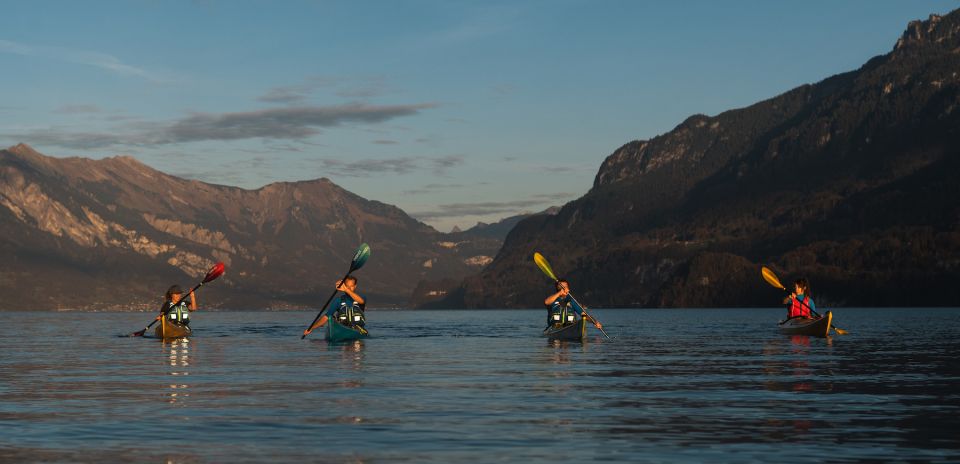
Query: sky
[[454, 111]]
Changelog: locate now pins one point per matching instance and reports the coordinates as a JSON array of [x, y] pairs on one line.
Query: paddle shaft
[[323, 309], [586, 313]]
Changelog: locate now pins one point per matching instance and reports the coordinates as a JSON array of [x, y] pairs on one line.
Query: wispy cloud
[[295, 123], [280, 123], [84, 57], [398, 165], [347, 87], [78, 109], [456, 210], [431, 188]]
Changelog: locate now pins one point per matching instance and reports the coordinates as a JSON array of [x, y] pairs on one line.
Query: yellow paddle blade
[[771, 278], [838, 330], [543, 265]]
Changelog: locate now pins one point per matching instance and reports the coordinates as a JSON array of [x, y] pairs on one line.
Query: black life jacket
[[179, 313], [349, 312], [560, 313]]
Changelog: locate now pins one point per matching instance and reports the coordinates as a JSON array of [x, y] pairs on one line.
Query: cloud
[[295, 123], [280, 123], [78, 109], [431, 188], [385, 142], [83, 57], [398, 165], [455, 210], [349, 87]]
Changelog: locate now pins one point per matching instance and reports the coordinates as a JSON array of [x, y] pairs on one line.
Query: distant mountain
[[851, 182], [501, 228], [115, 233], [434, 294]]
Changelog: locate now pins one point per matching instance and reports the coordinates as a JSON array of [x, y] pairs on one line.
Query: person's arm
[[553, 298], [579, 310], [356, 296], [193, 301], [323, 319]]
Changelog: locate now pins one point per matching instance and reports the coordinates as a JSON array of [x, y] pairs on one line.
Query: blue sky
[[455, 111]]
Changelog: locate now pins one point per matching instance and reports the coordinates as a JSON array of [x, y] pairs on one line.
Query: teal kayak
[[337, 332]]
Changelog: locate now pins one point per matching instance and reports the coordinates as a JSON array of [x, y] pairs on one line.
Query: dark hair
[[173, 290], [561, 281], [804, 284], [350, 277]]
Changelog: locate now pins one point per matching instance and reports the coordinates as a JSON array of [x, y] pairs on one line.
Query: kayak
[[337, 332], [171, 329], [819, 327], [575, 331]]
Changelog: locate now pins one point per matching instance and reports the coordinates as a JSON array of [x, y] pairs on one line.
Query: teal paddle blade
[[360, 257]]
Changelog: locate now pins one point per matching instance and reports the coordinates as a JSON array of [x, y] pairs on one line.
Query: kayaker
[[175, 306], [800, 304], [561, 303], [350, 303]]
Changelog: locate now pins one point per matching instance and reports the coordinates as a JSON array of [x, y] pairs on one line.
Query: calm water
[[672, 385]]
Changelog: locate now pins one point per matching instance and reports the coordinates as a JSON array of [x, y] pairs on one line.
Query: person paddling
[[175, 307], [560, 305], [800, 304], [348, 308]]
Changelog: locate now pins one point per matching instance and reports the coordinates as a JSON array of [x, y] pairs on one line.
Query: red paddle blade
[[216, 271]]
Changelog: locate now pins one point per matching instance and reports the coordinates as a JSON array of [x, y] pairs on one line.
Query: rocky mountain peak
[[936, 29]]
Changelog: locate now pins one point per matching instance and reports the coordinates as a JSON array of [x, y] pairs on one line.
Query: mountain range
[[114, 234], [850, 182]]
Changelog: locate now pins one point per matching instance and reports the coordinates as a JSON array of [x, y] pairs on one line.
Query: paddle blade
[[138, 333], [771, 278], [360, 257], [216, 271], [544, 265]]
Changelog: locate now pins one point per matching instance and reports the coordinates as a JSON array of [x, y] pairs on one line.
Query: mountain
[[434, 294], [501, 228], [115, 233], [851, 182]]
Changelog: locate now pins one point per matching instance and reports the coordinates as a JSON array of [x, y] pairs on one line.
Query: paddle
[[772, 279], [545, 267], [216, 271], [359, 258]]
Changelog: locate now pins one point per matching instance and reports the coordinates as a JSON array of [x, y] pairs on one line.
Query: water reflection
[[178, 356], [352, 357]]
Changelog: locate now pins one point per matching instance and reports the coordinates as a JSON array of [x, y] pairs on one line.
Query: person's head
[[350, 282], [174, 292], [801, 286], [562, 284]]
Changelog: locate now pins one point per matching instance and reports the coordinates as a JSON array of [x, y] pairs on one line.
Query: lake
[[671, 385]]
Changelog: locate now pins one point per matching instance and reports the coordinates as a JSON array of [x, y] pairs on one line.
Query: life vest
[[561, 313], [179, 312], [798, 309], [349, 312]]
